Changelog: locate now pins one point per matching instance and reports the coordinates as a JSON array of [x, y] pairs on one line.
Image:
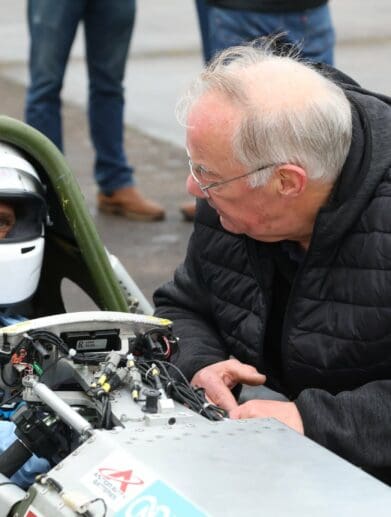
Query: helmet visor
[[21, 217]]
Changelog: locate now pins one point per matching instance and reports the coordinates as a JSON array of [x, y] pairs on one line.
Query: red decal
[[124, 477]]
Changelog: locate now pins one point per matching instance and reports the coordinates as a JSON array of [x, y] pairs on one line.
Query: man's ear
[[291, 180]]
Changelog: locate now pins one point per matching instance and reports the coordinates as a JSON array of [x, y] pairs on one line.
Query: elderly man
[[287, 275]]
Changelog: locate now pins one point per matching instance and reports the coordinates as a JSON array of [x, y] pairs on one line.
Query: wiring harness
[[146, 365]]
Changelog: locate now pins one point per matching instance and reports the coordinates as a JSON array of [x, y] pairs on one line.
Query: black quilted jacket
[[270, 6], [330, 351]]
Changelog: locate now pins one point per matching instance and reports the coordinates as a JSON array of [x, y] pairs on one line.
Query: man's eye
[[200, 170], [204, 174]]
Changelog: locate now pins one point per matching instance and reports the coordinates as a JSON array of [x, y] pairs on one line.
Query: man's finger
[[247, 374], [219, 394], [223, 398]]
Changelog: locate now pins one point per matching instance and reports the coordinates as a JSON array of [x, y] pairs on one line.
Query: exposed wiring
[[8, 400], [181, 390], [98, 500], [43, 479], [52, 365]]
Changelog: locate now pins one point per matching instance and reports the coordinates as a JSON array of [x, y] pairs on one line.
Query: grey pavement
[[165, 55]]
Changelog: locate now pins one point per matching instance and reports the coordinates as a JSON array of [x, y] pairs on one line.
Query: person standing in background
[[108, 29], [187, 209], [203, 21], [303, 23], [306, 23]]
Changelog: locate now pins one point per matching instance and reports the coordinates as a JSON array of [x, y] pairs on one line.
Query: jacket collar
[[357, 163]]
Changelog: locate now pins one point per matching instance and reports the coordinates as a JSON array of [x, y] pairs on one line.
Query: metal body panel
[[227, 468]]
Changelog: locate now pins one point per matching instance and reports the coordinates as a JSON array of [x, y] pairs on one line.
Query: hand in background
[[220, 378]]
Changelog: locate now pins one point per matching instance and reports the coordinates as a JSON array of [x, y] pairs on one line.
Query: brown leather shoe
[[130, 203], [188, 211]]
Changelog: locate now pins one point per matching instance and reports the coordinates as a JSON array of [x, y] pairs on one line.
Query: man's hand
[[285, 412], [218, 379]]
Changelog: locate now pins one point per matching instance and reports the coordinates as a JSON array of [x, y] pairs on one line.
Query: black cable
[[157, 330], [177, 370], [43, 479], [48, 337], [17, 383], [150, 347], [90, 358], [4, 483], [106, 417], [12, 397], [100, 500], [52, 339], [52, 365], [54, 484], [181, 390], [104, 405]]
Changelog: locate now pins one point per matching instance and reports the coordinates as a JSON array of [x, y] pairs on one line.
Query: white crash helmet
[[21, 250]]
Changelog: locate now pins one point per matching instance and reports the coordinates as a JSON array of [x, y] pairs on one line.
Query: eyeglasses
[[197, 172]]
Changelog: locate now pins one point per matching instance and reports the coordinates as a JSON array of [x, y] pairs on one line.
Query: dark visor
[[30, 213]]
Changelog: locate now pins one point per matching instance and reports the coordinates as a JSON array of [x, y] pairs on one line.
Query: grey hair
[[315, 135]]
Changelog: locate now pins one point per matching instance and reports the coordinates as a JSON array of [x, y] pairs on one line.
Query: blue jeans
[[311, 28], [203, 21], [108, 28]]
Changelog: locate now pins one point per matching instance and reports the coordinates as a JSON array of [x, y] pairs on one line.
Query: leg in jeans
[[52, 31], [202, 13], [108, 30], [312, 29]]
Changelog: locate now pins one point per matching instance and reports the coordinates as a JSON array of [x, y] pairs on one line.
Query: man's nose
[[193, 188]]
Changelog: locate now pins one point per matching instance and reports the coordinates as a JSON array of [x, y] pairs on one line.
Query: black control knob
[[151, 400]]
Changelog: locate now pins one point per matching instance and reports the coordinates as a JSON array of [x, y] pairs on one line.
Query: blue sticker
[[159, 500]]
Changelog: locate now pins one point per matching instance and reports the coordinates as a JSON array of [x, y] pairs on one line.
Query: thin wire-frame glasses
[[214, 184]]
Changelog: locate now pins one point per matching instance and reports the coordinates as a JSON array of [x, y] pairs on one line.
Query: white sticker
[[32, 512], [91, 344], [118, 478]]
